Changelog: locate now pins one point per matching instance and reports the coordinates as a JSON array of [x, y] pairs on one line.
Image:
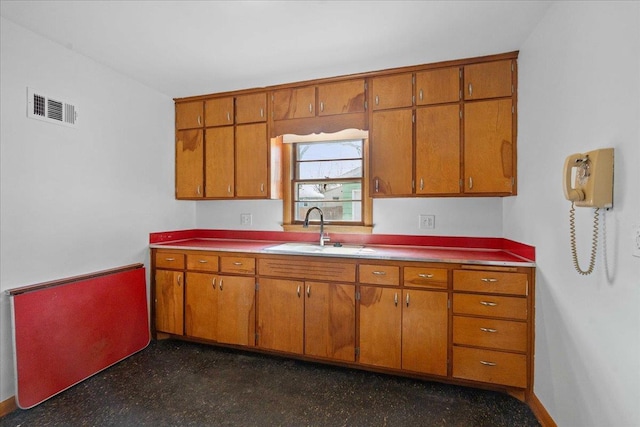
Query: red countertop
[[470, 250]]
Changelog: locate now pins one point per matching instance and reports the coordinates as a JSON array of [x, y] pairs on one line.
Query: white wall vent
[[50, 109]]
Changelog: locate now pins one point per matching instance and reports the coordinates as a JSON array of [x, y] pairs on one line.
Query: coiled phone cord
[[594, 245]]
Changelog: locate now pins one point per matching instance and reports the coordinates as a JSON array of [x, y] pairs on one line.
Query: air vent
[[50, 109]]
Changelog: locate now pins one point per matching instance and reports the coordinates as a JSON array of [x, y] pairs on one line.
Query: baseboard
[[8, 406], [540, 412]]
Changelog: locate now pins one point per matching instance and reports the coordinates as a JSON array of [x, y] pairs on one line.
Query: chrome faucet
[[323, 237]]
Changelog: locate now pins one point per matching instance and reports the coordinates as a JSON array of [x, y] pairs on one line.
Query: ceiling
[[184, 48]]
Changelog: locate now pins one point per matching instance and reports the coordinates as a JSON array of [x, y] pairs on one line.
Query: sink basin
[[314, 248]]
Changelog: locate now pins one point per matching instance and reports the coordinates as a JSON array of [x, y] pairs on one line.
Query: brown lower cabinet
[[465, 324]]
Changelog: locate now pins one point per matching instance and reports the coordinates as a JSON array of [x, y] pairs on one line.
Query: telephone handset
[[588, 182]]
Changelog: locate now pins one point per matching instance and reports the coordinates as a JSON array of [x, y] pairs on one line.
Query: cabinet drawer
[[490, 282], [202, 262], [490, 305], [425, 276], [170, 260], [490, 366], [379, 274], [316, 270], [492, 333], [242, 265]]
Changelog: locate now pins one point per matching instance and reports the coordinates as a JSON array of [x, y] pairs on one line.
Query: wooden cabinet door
[[295, 103], [392, 152], [251, 160], [330, 321], [169, 300], [488, 147], [393, 91], [201, 306], [189, 163], [251, 108], [424, 331], [281, 315], [488, 80], [189, 115], [236, 317], [438, 86], [219, 166], [380, 326], [341, 98], [438, 150], [218, 111]]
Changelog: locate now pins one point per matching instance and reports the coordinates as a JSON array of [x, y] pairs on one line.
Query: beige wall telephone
[[588, 182]]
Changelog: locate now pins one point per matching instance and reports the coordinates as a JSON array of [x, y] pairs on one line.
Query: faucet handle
[[324, 237]]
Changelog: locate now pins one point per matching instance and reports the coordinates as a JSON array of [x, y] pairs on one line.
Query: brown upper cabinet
[[438, 86], [394, 91], [488, 80], [218, 111], [251, 108], [322, 100], [189, 115]]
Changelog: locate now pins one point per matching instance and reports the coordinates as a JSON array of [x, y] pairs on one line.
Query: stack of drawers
[[490, 327]]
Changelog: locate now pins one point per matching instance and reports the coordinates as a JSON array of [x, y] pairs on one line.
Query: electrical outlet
[[636, 242], [246, 219], [427, 221]]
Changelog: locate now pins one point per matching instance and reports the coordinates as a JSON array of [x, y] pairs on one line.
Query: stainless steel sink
[[316, 249]]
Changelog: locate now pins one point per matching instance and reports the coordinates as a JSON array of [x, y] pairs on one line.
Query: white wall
[[579, 89], [471, 217], [73, 201]]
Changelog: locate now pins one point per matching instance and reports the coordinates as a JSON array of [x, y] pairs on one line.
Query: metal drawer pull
[[485, 363], [425, 276], [489, 280], [395, 299], [203, 261], [489, 304], [237, 263], [491, 330], [379, 273], [169, 259]]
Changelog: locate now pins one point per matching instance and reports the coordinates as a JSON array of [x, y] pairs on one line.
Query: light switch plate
[[427, 222], [246, 219]]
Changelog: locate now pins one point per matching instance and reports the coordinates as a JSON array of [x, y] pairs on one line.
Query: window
[[328, 171], [329, 175]]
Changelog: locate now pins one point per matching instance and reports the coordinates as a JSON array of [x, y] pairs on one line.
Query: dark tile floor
[[174, 383]]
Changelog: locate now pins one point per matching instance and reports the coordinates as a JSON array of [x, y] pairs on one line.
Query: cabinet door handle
[[199, 120], [470, 89], [262, 188], [377, 100], [407, 300], [198, 190], [379, 273], [421, 184], [298, 291], [425, 275], [485, 363], [490, 330], [213, 283], [220, 284], [228, 116], [489, 279], [395, 299], [470, 183], [229, 188], [261, 112], [420, 95], [308, 291], [488, 303], [310, 108], [377, 186], [179, 280], [321, 106]]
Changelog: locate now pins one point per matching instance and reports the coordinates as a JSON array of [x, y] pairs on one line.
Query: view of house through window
[[329, 175]]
